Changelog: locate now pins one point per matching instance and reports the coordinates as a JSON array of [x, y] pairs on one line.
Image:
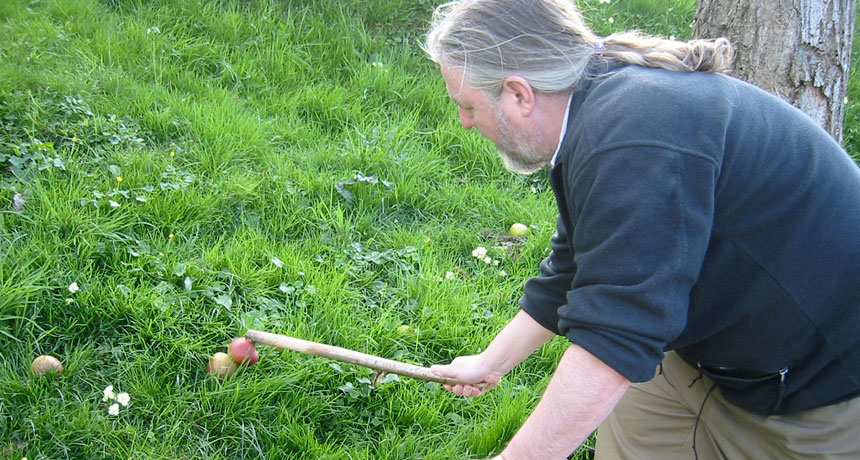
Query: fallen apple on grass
[[518, 229], [220, 365], [243, 351], [46, 365]]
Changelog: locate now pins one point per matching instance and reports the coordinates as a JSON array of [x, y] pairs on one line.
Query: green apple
[[220, 365], [46, 365], [518, 229]]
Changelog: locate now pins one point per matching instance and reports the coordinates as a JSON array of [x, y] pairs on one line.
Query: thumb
[[442, 370]]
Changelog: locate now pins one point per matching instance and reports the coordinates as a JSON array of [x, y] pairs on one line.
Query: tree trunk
[[799, 50]]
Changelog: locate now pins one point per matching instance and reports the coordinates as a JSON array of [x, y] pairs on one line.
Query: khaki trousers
[[658, 420]]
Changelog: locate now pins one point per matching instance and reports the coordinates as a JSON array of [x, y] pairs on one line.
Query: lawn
[[175, 172]]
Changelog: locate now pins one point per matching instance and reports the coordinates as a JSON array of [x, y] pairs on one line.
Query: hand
[[476, 376]]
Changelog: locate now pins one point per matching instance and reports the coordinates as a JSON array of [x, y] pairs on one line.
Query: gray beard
[[518, 148], [516, 164]]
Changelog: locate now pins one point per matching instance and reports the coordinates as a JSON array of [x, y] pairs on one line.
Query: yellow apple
[[518, 229], [46, 364], [220, 365]]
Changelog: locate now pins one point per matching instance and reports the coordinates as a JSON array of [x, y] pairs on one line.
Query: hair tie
[[599, 46]]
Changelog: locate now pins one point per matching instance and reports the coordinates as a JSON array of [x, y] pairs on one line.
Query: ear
[[517, 92]]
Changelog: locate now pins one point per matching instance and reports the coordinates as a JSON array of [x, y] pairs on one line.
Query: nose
[[466, 119]]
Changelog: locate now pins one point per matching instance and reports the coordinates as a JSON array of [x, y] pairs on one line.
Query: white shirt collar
[[563, 131]]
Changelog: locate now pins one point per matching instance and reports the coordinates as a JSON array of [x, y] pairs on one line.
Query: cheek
[[465, 116], [488, 127]]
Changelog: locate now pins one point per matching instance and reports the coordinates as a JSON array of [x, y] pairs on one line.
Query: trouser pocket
[[758, 391]]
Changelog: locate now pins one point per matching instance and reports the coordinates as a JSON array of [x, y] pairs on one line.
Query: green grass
[[201, 167]]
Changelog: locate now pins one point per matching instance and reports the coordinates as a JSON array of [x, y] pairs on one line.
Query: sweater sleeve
[[543, 294], [642, 220]]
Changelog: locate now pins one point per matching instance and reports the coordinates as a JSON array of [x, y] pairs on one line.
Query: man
[[705, 265]]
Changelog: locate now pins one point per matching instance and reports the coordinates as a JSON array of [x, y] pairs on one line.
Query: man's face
[[517, 144]]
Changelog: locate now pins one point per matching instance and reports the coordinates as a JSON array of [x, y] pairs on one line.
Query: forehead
[[458, 89]]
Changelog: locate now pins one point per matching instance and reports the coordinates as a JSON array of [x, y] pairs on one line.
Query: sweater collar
[[597, 67]]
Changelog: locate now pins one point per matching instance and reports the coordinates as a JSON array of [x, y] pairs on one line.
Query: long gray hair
[[547, 43]]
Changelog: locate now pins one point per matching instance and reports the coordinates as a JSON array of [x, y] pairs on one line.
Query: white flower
[[123, 398], [479, 252], [18, 199], [108, 393], [73, 288], [605, 1], [671, 37], [113, 409], [153, 30], [503, 273], [113, 204], [449, 275], [488, 259], [611, 20]]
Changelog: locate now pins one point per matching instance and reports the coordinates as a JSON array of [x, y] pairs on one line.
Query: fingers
[[465, 390], [461, 369]]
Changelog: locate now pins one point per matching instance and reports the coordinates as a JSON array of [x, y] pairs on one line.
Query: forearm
[[582, 392], [520, 338]]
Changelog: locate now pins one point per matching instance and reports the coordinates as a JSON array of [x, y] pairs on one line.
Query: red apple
[[243, 351], [46, 364], [220, 365]]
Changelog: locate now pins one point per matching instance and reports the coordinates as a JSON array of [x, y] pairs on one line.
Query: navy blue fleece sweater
[[700, 214]]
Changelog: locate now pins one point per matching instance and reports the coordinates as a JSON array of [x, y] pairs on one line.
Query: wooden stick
[[346, 355]]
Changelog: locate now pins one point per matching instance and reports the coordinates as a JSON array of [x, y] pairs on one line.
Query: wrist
[[494, 363]]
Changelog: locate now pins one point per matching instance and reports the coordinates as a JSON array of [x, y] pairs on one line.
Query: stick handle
[[346, 355]]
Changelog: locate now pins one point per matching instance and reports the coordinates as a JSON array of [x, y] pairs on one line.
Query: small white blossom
[[503, 273], [671, 37], [605, 1], [496, 262], [123, 398], [479, 252], [113, 204], [18, 199], [449, 275], [73, 288], [153, 30], [488, 260], [108, 393], [611, 20], [113, 409]]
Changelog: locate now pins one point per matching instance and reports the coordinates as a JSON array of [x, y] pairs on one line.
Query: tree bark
[[799, 50]]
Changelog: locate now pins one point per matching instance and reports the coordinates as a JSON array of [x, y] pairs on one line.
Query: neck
[[549, 119]]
